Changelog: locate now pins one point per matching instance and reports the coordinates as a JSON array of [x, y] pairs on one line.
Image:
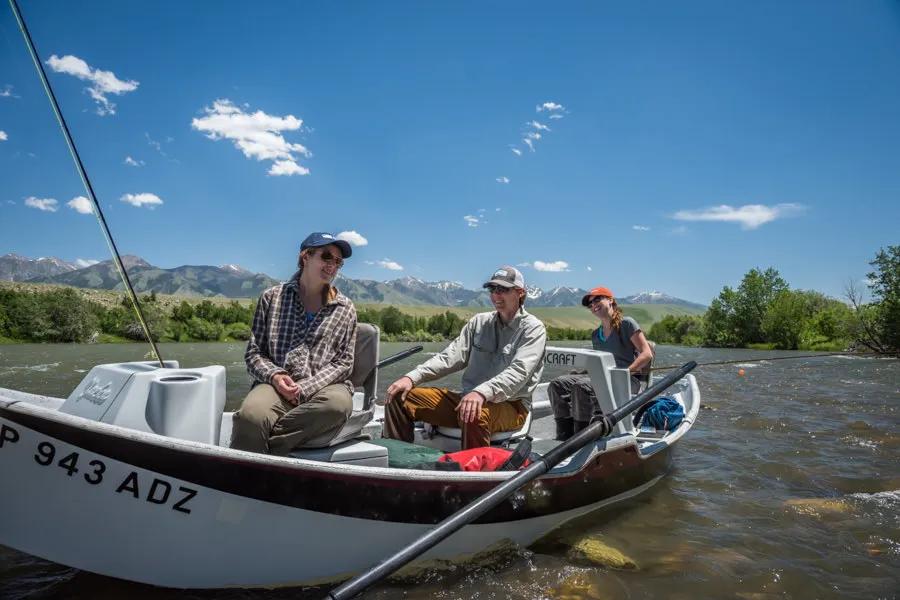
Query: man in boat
[[300, 355], [502, 354], [571, 396]]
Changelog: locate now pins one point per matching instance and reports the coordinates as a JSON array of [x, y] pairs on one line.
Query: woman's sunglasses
[[332, 259]]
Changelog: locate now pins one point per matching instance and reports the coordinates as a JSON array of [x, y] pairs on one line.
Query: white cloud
[[102, 82], [3, 136], [552, 267], [640, 228], [133, 163], [390, 265], [257, 135], [497, 209], [503, 179], [472, 221], [143, 199], [353, 238], [539, 126], [524, 264], [589, 268], [81, 204], [556, 116], [516, 151], [529, 143], [85, 262], [750, 216], [680, 230], [7, 92], [44, 204], [550, 107]]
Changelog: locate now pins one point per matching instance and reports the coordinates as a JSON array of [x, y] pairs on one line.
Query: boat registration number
[[93, 471]]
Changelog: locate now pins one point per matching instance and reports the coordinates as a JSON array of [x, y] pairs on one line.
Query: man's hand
[[469, 408], [286, 387], [401, 386]]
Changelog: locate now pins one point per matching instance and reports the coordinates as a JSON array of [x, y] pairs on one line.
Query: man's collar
[[518, 316]]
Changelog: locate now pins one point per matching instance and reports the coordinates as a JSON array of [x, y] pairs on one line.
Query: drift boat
[[131, 477]]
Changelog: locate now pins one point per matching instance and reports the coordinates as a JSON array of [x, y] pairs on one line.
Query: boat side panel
[[607, 475], [91, 512]]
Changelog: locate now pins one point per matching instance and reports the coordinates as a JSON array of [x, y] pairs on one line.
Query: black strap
[[518, 457]]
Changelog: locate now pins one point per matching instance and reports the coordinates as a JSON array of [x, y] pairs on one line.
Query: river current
[[788, 486]]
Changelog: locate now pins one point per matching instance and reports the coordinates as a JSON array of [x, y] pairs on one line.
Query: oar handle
[[398, 357], [498, 494]]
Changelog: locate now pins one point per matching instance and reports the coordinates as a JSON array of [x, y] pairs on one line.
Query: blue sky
[[688, 142]]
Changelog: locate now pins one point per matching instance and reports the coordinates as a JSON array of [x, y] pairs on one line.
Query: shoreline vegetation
[[763, 312]]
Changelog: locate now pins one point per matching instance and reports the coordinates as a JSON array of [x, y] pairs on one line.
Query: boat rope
[[749, 360], [85, 180]]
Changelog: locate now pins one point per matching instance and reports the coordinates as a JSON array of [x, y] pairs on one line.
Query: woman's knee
[[335, 401], [258, 407]]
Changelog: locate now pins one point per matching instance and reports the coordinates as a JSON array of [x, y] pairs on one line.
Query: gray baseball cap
[[508, 277]]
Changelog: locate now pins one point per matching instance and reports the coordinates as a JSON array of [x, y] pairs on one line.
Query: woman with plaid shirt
[[300, 355]]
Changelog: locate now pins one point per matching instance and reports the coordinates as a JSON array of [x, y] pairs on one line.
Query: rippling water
[[788, 486]]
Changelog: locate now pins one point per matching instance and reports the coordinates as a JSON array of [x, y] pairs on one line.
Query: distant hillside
[[20, 268], [229, 281], [236, 282]]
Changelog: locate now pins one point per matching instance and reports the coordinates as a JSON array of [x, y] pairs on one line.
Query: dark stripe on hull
[[355, 495]]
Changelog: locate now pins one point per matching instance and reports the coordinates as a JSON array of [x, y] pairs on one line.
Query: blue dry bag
[[663, 413]]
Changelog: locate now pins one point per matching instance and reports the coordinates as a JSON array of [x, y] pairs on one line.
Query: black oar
[[397, 357], [489, 500]]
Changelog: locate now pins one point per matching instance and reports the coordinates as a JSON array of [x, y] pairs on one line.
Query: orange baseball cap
[[597, 291]]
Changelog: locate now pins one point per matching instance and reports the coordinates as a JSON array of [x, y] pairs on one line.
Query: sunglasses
[[497, 289], [328, 257], [596, 300]]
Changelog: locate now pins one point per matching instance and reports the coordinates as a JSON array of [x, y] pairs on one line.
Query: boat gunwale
[[19, 402]]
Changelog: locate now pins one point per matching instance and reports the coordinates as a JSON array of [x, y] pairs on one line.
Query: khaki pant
[[438, 407], [571, 396], [268, 423]]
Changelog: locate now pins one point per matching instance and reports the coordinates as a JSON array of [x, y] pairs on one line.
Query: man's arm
[[453, 358], [529, 356], [259, 365]]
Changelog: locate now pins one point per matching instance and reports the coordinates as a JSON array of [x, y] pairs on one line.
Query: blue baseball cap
[[320, 238]]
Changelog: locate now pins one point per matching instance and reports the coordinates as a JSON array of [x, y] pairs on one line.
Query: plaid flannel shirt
[[314, 355]]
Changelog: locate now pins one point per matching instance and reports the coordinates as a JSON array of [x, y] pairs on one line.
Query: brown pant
[[266, 422], [438, 407]]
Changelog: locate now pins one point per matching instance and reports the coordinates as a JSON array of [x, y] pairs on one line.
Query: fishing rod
[[84, 179], [744, 360]]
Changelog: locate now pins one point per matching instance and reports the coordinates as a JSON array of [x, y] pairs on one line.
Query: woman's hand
[[286, 387], [469, 408], [401, 386]]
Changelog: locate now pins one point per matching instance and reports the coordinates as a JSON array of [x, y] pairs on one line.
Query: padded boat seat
[[351, 429], [497, 439], [365, 376]]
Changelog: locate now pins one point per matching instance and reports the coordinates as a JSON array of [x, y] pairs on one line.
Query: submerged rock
[[596, 552], [818, 507], [576, 587]]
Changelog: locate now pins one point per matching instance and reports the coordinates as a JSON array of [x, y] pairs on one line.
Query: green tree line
[[765, 312], [64, 315]]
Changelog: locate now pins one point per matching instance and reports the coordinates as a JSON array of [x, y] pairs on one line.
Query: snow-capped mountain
[[235, 281], [14, 267]]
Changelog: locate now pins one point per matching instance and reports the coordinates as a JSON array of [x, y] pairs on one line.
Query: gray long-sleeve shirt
[[502, 362]]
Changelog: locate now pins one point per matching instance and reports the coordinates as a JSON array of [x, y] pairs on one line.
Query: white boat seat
[[351, 429], [365, 376], [497, 439]]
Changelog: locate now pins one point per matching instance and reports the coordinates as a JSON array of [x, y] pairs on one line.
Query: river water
[[788, 486]]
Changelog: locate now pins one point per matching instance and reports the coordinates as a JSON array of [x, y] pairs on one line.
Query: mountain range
[[233, 281]]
